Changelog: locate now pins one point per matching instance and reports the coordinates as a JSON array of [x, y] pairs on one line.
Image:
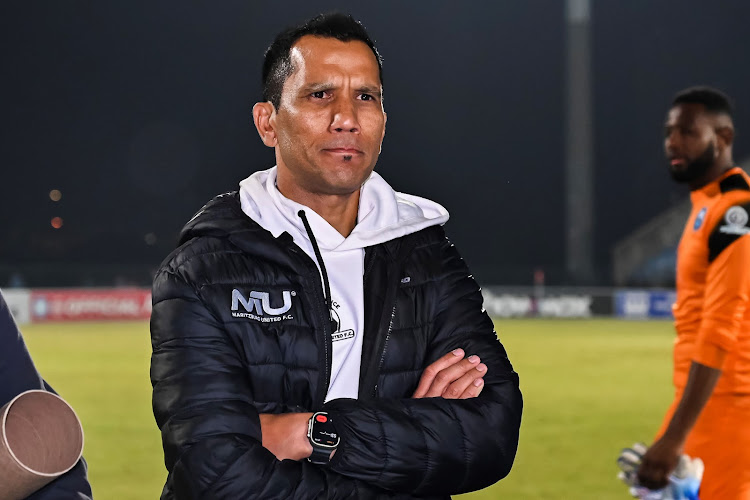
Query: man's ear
[[725, 135], [264, 116], [385, 119]]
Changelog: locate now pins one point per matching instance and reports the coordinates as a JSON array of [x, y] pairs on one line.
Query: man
[[316, 335], [18, 374], [710, 414]]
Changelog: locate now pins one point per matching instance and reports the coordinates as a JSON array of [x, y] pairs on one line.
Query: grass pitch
[[590, 388]]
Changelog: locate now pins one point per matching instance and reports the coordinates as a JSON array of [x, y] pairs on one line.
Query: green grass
[[101, 369], [590, 388]]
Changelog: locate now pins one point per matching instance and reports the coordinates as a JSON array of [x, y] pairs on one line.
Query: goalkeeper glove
[[684, 481]]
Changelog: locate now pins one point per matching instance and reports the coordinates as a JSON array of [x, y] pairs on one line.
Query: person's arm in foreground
[[18, 375], [726, 298]]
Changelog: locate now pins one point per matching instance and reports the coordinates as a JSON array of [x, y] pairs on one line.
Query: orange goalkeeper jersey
[[712, 317]]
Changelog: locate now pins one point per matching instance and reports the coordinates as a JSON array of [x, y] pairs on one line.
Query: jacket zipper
[[322, 391], [393, 279], [319, 398]]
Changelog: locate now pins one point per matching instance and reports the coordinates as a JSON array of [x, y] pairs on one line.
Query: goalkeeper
[[710, 415]]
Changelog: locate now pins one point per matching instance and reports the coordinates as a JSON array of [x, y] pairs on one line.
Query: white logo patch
[[736, 218], [258, 307]]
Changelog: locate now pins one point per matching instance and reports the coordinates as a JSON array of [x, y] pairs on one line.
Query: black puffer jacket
[[213, 371]]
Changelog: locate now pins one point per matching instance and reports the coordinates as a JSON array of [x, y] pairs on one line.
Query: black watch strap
[[320, 456]]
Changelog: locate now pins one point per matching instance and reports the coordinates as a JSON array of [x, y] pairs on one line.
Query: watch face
[[322, 432]]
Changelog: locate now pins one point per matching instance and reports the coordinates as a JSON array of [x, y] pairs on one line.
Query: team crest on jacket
[[699, 219], [339, 334], [258, 306]]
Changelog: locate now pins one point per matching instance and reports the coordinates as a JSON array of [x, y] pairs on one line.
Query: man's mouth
[[677, 162], [345, 151]]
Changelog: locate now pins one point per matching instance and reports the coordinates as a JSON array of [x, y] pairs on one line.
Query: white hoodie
[[384, 215]]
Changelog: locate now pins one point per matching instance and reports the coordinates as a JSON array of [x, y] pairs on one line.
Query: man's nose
[[345, 116], [671, 142]]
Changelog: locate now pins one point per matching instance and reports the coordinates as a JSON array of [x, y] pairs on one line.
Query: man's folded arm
[[437, 445], [204, 407]]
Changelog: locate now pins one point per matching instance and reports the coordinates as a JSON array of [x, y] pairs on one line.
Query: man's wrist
[[674, 437], [306, 448], [285, 435]]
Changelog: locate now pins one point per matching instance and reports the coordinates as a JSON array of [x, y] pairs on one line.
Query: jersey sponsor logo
[[257, 306], [736, 219], [699, 219]]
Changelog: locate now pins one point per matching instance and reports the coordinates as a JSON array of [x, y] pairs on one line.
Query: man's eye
[[320, 94], [366, 97]]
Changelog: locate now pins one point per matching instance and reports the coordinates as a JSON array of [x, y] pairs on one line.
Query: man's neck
[[719, 169], [340, 211]]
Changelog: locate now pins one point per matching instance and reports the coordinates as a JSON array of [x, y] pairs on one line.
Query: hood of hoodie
[[384, 214]]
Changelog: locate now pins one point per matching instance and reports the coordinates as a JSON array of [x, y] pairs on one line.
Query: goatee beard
[[696, 168]]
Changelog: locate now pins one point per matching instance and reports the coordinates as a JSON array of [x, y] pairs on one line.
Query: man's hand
[[285, 435], [664, 454], [452, 377], [658, 463]]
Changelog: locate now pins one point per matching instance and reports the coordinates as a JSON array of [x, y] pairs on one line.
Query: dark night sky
[[139, 112]]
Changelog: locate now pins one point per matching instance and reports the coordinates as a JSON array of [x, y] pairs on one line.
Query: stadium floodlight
[[579, 142]]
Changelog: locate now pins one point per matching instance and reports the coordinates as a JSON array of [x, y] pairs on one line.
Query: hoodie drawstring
[[319, 257]]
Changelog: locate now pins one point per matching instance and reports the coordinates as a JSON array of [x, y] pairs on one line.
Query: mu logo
[[257, 306], [260, 302]]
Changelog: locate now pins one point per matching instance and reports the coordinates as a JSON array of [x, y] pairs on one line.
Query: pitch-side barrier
[[121, 304], [78, 304], [575, 302]]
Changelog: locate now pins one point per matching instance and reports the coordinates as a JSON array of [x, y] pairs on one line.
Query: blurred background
[[537, 123], [121, 119]]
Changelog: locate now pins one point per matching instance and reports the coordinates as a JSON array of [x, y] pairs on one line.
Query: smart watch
[[323, 438]]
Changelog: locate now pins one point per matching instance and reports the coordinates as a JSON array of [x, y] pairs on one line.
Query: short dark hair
[[713, 100], [277, 64]]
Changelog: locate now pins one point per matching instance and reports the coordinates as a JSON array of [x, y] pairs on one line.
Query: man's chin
[[681, 176], [691, 173], [344, 188], [348, 180], [338, 186]]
